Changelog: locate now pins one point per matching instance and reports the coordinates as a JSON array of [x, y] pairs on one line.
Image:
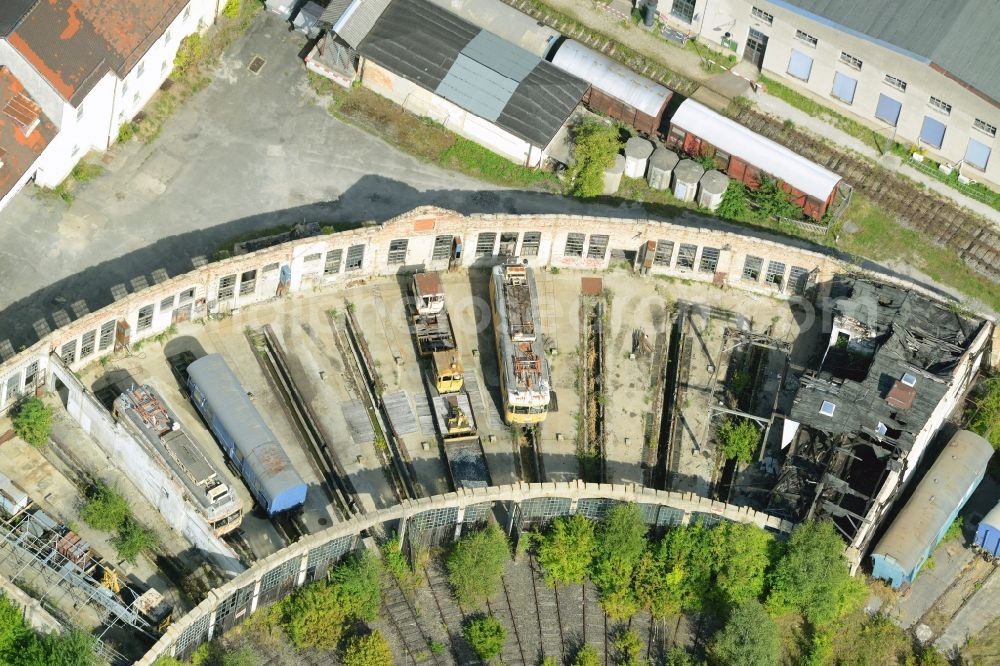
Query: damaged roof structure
[[24, 131], [859, 424]]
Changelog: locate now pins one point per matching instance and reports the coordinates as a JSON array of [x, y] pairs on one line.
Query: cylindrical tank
[[687, 173], [661, 166], [649, 16], [711, 188], [637, 152], [613, 176]]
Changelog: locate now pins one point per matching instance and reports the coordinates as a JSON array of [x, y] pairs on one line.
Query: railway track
[[975, 240], [289, 526], [507, 609], [452, 615], [405, 622], [547, 606], [529, 451]]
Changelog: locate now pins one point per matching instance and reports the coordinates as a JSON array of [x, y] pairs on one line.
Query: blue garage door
[[800, 65], [977, 154], [932, 132], [844, 87], [888, 109]]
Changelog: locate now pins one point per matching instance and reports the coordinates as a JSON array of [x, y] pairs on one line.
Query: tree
[[357, 585], [734, 204], [686, 554], [595, 145], [370, 650], [621, 542], [741, 554], [132, 539], [476, 565], [486, 636], [33, 422], [587, 656], [749, 638], [772, 201], [629, 647], [566, 552], [984, 414], [105, 508], [812, 576], [739, 439]]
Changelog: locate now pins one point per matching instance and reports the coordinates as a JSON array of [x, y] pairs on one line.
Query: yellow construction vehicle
[[449, 375]]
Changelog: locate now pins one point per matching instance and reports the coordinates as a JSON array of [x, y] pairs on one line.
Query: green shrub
[[486, 636], [105, 509], [370, 650], [588, 656], [32, 422], [734, 205], [739, 438], [125, 132], [232, 9], [190, 52], [85, 171], [984, 413], [595, 145], [133, 539], [476, 565]]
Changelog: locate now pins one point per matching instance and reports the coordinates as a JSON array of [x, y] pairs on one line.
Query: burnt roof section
[[61, 44], [894, 370], [24, 131], [130, 27], [11, 13], [423, 43]]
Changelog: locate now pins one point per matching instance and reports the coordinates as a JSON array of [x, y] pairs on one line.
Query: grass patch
[[471, 158], [83, 172], [712, 61], [881, 238], [929, 167]]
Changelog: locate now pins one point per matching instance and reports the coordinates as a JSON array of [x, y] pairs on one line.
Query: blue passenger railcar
[[988, 533], [931, 509], [246, 439]]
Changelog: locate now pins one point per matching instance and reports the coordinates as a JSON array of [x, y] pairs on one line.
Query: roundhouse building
[[922, 71], [935, 503]]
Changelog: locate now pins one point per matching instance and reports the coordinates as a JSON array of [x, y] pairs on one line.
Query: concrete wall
[[244, 591], [151, 478], [198, 292], [422, 102], [714, 19], [36, 616]]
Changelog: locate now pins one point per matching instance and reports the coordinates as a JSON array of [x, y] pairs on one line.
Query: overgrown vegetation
[[370, 650], [107, 510], [397, 566], [595, 145], [32, 421], [476, 565], [567, 551], [20, 645], [739, 438], [983, 412], [749, 638], [486, 636], [82, 173]]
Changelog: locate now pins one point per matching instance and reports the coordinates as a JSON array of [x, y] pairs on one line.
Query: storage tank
[[613, 176], [661, 167], [649, 15], [711, 189], [637, 152], [687, 173]]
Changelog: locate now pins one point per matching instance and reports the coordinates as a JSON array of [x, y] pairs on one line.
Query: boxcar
[[988, 533], [248, 442]]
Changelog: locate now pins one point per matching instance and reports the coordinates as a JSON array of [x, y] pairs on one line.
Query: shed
[[615, 90], [687, 174], [988, 533], [613, 176], [745, 155], [931, 509], [711, 189], [661, 168], [637, 152]]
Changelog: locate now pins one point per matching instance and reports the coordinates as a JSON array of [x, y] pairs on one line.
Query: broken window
[[751, 268], [355, 258], [664, 252], [309, 258], [508, 243], [270, 268], [484, 243], [775, 273], [87, 344], [709, 259], [685, 255], [332, 264], [13, 386], [531, 243], [68, 352], [226, 285], [797, 279], [574, 245], [167, 304], [30, 374], [107, 335], [248, 283], [598, 246], [145, 318], [442, 248], [186, 295], [397, 251]]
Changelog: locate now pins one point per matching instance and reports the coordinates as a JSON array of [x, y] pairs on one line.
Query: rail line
[[532, 469], [513, 623], [406, 623], [454, 617]]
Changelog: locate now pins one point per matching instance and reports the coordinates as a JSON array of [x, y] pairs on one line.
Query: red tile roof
[[73, 43], [19, 114]]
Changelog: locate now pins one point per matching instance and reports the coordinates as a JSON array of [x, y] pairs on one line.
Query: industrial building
[[436, 64], [931, 509], [919, 71], [893, 369]]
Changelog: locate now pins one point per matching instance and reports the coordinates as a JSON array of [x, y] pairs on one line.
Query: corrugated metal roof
[[958, 35], [612, 78], [357, 20], [334, 11], [228, 401], [766, 155], [935, 501], [504, 21], [474, 69], [11, 13]]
